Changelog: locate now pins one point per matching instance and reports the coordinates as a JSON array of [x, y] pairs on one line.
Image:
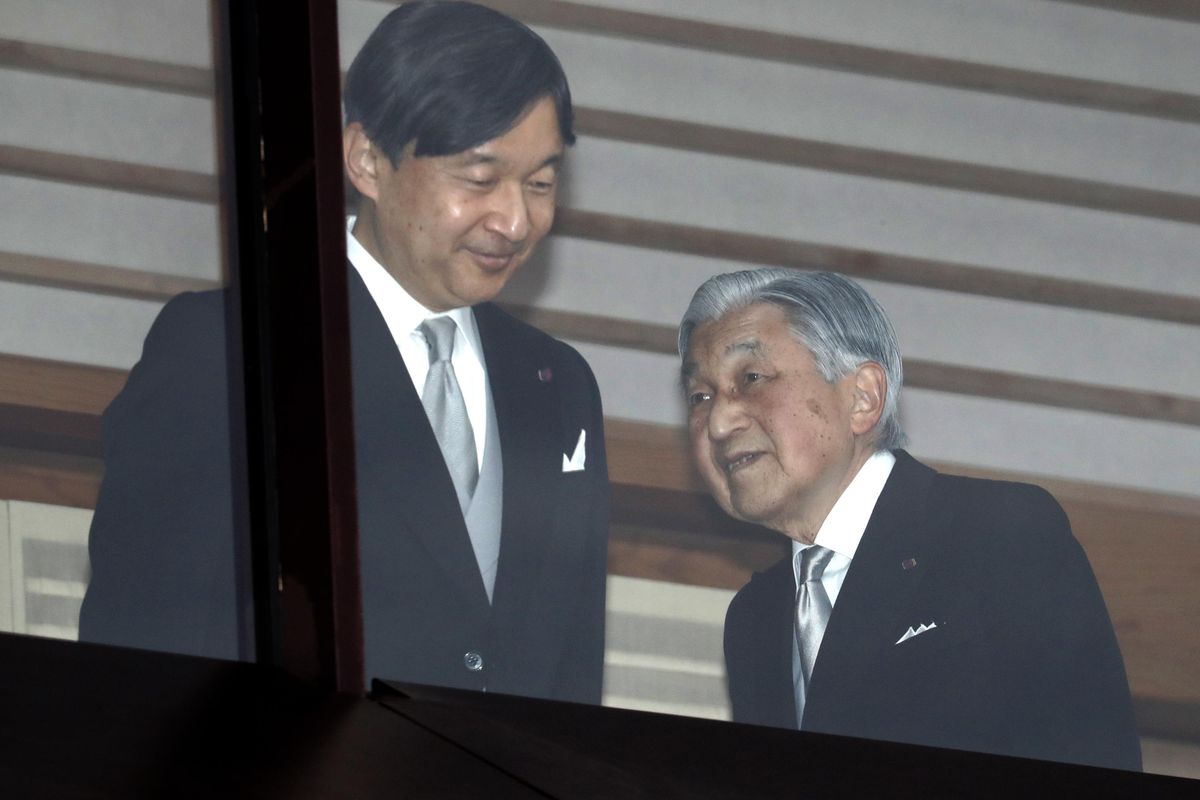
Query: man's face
[[453, 229], [774, 441]]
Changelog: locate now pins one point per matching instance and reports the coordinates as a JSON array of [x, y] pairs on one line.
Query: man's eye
[[696, 398], [479, 183], [541, 187], [753, 377]]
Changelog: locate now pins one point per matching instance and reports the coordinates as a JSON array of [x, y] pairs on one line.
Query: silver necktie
[[812, 615], [446, 409]]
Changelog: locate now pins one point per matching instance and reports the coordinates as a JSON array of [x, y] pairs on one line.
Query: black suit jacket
[[1022, 661], [165, 555]]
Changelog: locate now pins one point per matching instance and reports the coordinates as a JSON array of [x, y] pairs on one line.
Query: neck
[[805, 528]]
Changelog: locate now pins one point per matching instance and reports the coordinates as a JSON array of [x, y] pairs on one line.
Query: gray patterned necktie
[[812, 615], [446, 409]]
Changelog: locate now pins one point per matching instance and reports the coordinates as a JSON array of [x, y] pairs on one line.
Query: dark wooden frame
[[282, 126]]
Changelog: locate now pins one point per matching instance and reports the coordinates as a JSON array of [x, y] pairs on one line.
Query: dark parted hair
[[451, 76]]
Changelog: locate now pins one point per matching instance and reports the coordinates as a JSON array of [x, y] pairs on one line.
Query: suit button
[[473, 661]]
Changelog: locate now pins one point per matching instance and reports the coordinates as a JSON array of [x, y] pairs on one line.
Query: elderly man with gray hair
[[915, 607]]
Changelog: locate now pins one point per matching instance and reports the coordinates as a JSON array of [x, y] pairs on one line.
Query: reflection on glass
[[68, 338], [483, 487], [117, 214]]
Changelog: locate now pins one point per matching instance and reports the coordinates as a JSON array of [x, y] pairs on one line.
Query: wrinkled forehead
[[750, 332]]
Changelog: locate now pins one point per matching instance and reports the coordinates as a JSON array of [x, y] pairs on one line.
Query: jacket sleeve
[[1080, 709], [162, 542]]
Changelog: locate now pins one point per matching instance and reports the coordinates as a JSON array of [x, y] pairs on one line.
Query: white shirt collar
[[843, 528], [400, 310]]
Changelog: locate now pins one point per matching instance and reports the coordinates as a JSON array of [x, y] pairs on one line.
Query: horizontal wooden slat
[[752, 43], [1049, 392], [745, 42], [137, 72], [57, 385], [54, 407], [54, 386], [656, 456], [52, 478], [641, 454], [888, 165], [711, 139], [96, 278], [47, 431], [693, 240], [598, 329], [918, 374], [873, 265], [121, 176], [1184, 10]]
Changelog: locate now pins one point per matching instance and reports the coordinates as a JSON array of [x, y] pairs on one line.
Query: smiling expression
[[774, 441], [453, 229]]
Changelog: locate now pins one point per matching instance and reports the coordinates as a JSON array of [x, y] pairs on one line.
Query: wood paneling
[[877, 266], [121, 176], [744, 42], [918, 374], [52, 407], [752, 43], [887, 165], [1057, 393], [1183, 10], [646, 454], [51, 478], [690, 240], [57, 385], [82, 276], [136, 72]]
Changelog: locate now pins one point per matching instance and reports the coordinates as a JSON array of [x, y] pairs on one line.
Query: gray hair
[[831, 315]]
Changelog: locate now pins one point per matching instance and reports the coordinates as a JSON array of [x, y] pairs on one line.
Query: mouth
[[493, 261], [739, 461]]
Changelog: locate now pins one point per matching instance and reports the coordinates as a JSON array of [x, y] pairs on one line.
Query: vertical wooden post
[[289, 243]]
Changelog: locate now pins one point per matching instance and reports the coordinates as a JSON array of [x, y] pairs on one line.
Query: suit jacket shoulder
[[1017, 655], [166, 561]]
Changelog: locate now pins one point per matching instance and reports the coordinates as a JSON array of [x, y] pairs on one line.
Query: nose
[[509, 215], [726, 416]]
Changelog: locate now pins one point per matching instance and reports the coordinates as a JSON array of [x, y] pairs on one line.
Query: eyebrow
[[471, 158], [752, 346]]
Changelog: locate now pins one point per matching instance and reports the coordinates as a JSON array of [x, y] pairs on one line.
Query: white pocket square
[[911, 632], [577, 459]]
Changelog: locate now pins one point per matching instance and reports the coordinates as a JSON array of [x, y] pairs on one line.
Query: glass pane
[[121, 408], [991, 194]]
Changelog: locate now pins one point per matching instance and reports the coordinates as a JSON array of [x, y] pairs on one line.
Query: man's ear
[[870, 392], [362, 161]]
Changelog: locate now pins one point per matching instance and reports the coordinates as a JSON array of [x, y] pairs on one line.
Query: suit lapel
[[399, 455], [530, 428], [773, 670], [874, 599]]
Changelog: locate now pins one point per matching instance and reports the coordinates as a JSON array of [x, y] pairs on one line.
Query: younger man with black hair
[[482, 481]]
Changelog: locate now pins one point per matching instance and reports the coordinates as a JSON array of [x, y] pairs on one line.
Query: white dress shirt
[[843, 529], [404, 316]]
